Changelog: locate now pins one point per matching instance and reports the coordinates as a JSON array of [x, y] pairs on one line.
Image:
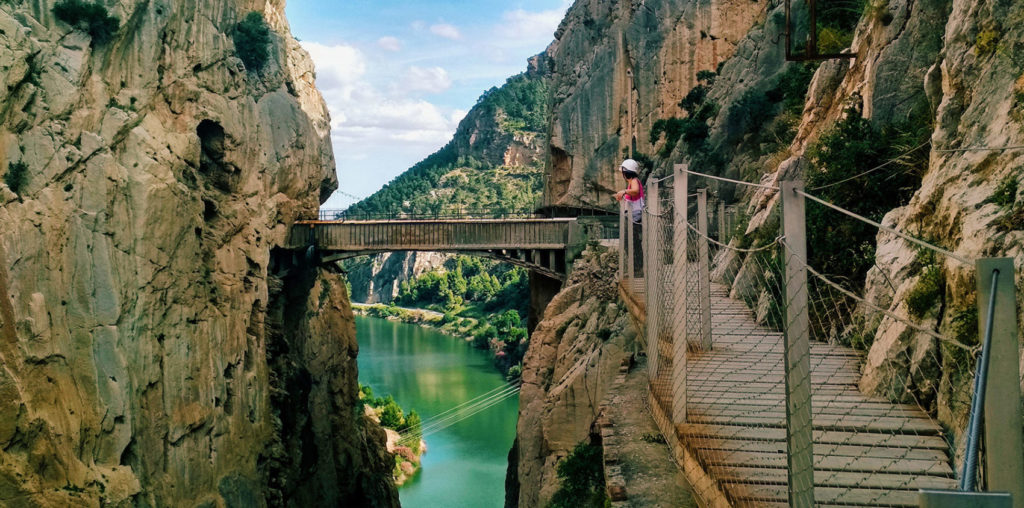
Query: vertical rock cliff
[[950, 70], [574, 355], [156, 350]]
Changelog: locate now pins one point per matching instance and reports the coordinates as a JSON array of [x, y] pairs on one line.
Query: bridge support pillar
[[542, 290]]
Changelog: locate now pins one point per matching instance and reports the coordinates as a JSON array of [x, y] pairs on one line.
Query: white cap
[[630, 165]]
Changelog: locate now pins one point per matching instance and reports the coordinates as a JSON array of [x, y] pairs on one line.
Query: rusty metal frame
[[812, 39]]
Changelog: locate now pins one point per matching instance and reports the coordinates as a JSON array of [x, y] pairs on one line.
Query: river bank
[[428, 371]]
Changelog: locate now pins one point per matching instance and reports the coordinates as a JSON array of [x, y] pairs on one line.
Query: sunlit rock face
[[573, 357], [617, 68], [139, 279], [951, 65]]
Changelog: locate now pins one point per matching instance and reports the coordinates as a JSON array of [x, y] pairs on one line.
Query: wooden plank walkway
[[867, 450]]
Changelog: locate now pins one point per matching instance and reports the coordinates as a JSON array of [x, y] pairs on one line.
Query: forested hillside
[[492, 165]]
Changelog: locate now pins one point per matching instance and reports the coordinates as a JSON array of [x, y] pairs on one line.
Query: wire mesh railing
[[328, 214], [790, 385]]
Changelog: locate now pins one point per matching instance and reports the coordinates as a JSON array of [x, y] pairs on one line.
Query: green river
[[431, 372]]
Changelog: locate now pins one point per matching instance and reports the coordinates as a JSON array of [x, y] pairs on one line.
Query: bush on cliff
[[252, 36], [846, 248], [582, 477], [88, 17], [16, 176]]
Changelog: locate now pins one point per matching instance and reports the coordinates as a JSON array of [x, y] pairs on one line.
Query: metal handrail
[[342, 214], [969, 473]]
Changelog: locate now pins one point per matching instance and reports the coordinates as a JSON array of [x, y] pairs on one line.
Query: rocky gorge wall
[[953, 68], [156, 350], [573, 358]]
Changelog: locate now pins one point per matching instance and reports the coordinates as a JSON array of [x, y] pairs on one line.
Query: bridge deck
[[435, 235], [868, 451]]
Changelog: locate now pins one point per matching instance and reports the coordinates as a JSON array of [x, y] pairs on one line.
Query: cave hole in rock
[[212, 166]]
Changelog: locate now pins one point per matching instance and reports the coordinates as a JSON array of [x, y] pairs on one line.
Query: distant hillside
[[495, 158], [494, 162]]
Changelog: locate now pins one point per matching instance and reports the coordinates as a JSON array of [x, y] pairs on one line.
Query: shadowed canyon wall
[[156, 350]]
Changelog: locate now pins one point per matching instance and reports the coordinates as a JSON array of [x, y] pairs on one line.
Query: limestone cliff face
[[617, 67], [141, 362], [953, 64], [573, 357], [973, 79], [378, 279]]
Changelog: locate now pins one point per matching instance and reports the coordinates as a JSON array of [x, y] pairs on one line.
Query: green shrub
[[1006, 193], [514, 373], [252, 36], [846, 248], [694, 129], [582, 478], [986, 42], [16, 176], [927, 292], [833, 40], [390, 414], [88, 17]]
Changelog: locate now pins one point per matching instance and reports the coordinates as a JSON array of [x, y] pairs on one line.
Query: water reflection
[[430, 372]]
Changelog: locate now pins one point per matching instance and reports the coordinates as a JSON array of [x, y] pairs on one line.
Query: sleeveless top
[[636, 205]]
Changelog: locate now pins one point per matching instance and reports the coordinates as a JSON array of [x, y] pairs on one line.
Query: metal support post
[[703, 270], [797, 352], [721, 222], [679, 296], [652, 274], [631, 250], [1004, 446], [622, 240]]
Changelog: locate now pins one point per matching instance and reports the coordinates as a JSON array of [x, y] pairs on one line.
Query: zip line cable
[[471, 414], [439, 425], [457, 413], [467, 403], [876, 168], [904, 236]]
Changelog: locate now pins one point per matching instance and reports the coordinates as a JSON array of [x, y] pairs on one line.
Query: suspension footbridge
[[754, 385]]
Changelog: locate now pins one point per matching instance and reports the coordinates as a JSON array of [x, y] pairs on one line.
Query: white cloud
[[430, 79], [521, 24], [368, 109], [457, 116], [389, 43], [338, 67], [445, 30]]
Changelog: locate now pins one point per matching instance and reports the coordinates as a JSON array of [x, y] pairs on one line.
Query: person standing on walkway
[[634, 196], [634, 191]]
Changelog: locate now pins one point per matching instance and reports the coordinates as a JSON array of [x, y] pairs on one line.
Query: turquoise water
[[430, 372]]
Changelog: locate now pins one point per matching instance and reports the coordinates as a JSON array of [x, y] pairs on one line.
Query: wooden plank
[[741, 492], [827, 450], [851, 423], [828, 462], [691, 431], [740, 474]]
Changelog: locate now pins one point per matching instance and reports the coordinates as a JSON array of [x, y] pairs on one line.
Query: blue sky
[[399, 75]]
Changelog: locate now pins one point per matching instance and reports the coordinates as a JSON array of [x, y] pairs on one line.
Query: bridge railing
[[797, 383], [328, 214]]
